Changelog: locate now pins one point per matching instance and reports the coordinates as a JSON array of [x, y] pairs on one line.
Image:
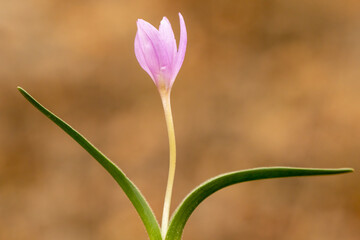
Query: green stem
[[165, 97]]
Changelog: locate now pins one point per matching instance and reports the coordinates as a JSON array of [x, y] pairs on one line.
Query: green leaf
[[136, 198], [185, 209]]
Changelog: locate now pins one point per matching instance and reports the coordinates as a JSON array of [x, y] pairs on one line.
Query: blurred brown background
[[264, 83]]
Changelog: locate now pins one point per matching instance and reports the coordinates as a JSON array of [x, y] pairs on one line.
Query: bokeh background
[[264, 83]]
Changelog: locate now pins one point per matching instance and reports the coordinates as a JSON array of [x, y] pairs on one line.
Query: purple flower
[[157, 53]]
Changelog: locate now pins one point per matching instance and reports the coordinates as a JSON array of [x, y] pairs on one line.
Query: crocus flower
[[157, 53]]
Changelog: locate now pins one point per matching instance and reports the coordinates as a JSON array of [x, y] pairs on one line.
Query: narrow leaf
[[185, 209], [132, 192]]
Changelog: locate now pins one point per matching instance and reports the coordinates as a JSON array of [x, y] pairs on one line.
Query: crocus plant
[[158, 55]]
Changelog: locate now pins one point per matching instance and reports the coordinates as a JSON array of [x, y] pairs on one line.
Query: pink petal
[[168, 38], [147, 35], [179, 59], [152, 38], [139, 53]]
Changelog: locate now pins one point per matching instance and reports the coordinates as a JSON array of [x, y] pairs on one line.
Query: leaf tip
[[342, 170], [21, 90]]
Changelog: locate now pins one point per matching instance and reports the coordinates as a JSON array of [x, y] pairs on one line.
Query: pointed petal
[[182, 48], [152, 37], [139, 53], [167, 36], [147, 35]]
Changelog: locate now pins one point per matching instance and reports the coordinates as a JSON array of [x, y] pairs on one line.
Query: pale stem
[[165, 97]]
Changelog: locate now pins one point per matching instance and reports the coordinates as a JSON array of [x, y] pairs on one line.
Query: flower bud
[[157, 53]]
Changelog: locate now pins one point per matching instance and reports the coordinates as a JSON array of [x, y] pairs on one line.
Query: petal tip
[[141, 22]]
